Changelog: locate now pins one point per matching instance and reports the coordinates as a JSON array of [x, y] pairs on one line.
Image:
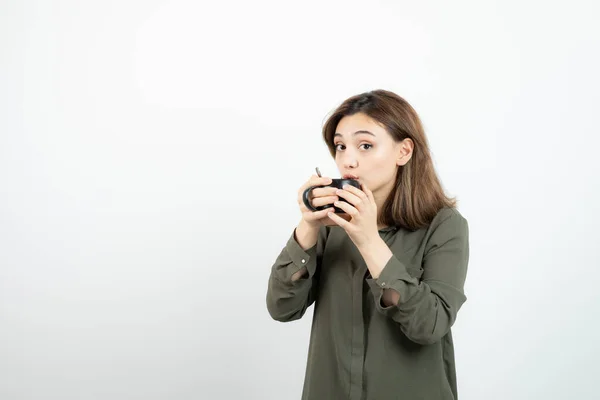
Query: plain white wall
[[150, 154]]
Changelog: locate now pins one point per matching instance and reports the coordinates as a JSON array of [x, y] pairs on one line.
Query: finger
[[309, 182], [328, 221], [305, 186], [368, 193], [315, 215], [319, 180], [356, 191], [305, 209], [339, 220], [346, 207], [321, 201], [325, 191], [313, 181], [350, 197]]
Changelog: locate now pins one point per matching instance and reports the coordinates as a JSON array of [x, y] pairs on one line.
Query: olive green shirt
[[360, 349]]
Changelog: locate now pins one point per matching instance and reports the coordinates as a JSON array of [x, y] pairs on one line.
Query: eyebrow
[[357, 133]]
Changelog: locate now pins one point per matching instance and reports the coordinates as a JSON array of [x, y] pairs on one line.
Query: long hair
[[417, 195]]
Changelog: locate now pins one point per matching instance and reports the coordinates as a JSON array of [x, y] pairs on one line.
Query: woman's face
[[365, 150]]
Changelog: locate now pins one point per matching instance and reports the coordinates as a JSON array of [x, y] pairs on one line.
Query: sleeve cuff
[[393, 276], [299, 258]]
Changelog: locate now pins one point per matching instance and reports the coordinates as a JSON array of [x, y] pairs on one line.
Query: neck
[[381, 196], [379, 201]]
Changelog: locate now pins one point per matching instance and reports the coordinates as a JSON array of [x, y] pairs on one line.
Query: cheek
[[382, 162], [385, 167]]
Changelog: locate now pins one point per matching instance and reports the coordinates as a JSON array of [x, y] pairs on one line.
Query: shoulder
[[447, 216], [448, 224]]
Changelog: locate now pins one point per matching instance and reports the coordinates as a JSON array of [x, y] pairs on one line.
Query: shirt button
[[303, 261], [382, 283]]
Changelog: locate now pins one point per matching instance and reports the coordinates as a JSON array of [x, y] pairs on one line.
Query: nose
[[349, 161]]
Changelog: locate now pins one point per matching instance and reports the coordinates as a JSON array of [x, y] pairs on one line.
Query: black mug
[[337, 183]]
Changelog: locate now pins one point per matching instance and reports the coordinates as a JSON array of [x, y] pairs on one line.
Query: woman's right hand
[[317, 197]]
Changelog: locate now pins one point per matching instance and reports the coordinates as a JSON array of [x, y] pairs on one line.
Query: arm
[[425, 308], [306, 237], [293, 280]]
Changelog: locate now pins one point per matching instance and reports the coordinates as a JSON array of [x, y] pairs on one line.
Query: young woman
[[387, 276]]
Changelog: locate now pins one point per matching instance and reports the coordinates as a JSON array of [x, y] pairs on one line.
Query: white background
[[150, 154]]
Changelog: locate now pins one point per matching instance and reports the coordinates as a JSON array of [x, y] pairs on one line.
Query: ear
[[405, 151]]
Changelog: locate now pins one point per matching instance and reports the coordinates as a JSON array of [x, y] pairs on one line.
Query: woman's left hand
[[362, 226]]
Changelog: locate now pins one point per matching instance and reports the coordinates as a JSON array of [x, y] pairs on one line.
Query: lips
[[350, 176]]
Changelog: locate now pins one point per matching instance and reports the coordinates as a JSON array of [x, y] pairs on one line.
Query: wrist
[[371, 244], [306, 235], [376, 255], [306, 226]]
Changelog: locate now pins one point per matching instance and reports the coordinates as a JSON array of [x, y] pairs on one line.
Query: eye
[[367, 144], [337, 146]]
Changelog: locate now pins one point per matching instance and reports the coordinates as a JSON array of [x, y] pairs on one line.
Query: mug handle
[[305, 197]]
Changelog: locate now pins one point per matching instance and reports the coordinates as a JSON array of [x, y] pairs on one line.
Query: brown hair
[[417, 195]]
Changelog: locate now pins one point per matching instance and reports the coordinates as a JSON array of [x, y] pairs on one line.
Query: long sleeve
[[428, 306], [288, 300]]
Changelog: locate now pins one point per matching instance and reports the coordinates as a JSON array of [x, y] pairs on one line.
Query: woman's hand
[[362, 224], [319, 197]]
